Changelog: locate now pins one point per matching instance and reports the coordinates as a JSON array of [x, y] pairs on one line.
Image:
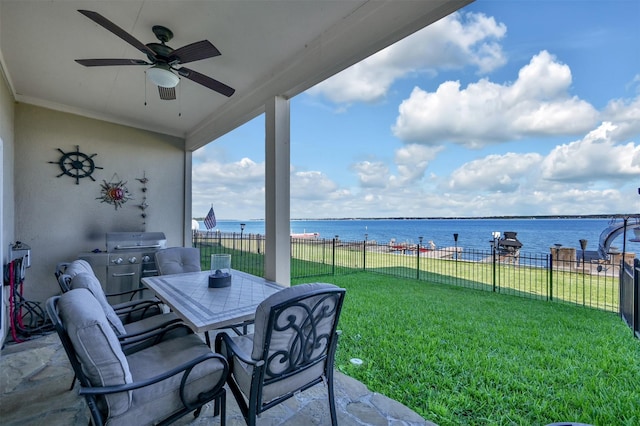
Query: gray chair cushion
[[178, 260], [96, 345], [162, 399], [70, 269], [243, 373], [91, 283], [78, 266]]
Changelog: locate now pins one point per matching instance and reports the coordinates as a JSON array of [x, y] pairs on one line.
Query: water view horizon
[[537, 235]]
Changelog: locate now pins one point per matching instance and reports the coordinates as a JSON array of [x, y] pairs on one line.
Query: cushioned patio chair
[[132, 310], [292, 348], [156, 385], [129, 334], [178, 260]]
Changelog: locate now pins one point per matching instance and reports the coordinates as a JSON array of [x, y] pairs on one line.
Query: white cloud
[[494, 173], [456, 41], [311, 185], [372, 174], [626, 115], [595, 157], [537, 104], [235, 189], [238, 173], [412, 160]]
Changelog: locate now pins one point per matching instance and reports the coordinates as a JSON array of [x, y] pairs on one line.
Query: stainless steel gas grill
[[130, 256]]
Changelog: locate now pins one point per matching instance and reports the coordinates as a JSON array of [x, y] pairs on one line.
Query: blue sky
[[503, 108]]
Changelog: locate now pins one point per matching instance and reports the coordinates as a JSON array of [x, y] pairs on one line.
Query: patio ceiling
[[269, 48]]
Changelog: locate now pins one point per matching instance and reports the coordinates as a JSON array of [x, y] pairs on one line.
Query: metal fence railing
[[629, 296], [591, 283]]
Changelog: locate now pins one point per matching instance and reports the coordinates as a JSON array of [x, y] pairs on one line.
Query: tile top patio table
[[204, 308]]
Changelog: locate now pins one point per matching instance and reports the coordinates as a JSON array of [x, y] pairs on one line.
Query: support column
[[187, 233], [277, 254]]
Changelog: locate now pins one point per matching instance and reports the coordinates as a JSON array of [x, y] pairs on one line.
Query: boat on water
[[429, 250], [306, 235]]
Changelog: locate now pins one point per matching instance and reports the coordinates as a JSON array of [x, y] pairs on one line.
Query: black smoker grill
[[129, 257]]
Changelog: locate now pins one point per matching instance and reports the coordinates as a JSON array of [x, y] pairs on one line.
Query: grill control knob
[[133, 259], [118, 261], [146, 258]]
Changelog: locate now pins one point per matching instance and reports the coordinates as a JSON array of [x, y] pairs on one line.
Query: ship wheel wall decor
[[76, 164]]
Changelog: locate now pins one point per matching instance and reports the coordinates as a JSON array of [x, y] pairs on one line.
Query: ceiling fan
[[163, 59]]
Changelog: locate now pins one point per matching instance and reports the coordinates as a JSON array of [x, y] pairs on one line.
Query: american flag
[[210, 220]]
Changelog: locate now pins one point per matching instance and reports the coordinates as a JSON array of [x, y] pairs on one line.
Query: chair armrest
[[60, 268], [131, 292], [183, 368], [141, 309], [235, 349], [244, 325], [136, 304], [156, 333]]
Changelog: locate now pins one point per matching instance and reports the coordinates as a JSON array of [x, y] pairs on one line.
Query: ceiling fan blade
[[167, 93], [109, 62], [194, 52], [206, 81], [110, 26]]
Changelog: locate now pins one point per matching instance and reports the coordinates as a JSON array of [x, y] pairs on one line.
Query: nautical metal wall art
[[143, 205], [114, 192], [76, 164]]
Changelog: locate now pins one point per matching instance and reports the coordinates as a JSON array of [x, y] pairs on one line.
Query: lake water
[[536, 235]]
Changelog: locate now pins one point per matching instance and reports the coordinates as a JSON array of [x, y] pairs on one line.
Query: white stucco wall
[[6, 187], [60, 219]]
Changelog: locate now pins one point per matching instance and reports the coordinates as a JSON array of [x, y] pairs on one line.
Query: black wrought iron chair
[[178, 260], [156, 385], [292, 348]]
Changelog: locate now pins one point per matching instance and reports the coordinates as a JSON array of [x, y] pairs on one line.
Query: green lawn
[[459, 356]]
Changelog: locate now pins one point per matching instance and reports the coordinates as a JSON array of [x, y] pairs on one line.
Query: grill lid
[[118, 241]]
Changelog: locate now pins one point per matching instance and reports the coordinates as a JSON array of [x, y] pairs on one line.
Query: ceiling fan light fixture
[[161, 75]]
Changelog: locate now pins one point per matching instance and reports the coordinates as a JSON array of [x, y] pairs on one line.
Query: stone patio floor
[[35, 377]]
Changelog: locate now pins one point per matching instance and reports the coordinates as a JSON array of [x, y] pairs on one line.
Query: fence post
[[364, 254], [418, 262], [636, 297], [493, 256], [333, 256], [550, 263]]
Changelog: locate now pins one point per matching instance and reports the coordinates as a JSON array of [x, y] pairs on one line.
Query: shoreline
[[506, 217]]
